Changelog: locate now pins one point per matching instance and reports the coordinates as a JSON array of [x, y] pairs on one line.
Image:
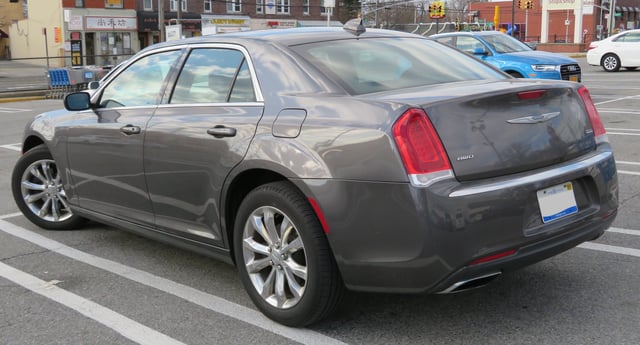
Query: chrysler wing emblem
[[535, 118]]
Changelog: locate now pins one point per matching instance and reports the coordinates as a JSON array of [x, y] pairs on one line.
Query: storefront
[[264, 24], [149, 33], [100, 36], [220, 24]]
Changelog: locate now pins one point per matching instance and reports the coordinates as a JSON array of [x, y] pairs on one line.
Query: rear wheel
[[38, 192], [611, 63], [283, 256]]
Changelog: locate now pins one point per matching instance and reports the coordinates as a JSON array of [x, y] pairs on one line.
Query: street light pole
[[161, 19]]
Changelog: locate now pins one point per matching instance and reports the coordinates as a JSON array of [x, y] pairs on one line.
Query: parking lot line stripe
[[203, 299], [616, 100], [625, 231], [625, 172], [620, 133], [10, 215], [14, 147], [610, 249], [627, 162], [126, 327]]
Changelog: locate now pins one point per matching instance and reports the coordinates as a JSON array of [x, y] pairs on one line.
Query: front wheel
[[283, 256], [611, 63], [37, 190]]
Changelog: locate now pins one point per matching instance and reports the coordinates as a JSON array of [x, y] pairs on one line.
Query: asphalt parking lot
[[101, 285]]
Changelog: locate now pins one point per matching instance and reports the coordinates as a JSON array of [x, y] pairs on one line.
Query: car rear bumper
[[392, 237]]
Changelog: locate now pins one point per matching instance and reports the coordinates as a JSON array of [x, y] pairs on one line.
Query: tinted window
[[214, 76], [141, 83], [368, 65]]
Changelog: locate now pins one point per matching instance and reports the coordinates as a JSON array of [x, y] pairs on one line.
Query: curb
[[21, 99]]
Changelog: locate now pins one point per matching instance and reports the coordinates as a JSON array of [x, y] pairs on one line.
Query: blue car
[[512, 56]]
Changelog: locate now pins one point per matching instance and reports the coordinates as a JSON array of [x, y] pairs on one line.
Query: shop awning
[[3, 34], [310, 23]]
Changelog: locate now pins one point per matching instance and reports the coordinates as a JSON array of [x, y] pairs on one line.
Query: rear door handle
[[130, 129], [222, 131]]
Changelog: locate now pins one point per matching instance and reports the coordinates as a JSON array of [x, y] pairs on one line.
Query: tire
[[288, 271], [610, 63], [37, 190]]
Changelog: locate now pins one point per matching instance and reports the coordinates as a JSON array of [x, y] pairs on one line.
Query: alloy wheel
[[274, 257], [42, 191]]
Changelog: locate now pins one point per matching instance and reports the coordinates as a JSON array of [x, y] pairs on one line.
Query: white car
[[619, 50]]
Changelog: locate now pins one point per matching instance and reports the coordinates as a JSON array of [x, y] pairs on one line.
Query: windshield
[[503, 44], [369, 65]]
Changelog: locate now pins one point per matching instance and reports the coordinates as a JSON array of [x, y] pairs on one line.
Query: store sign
[[113, 3], [561, 4], [112, 23], [75, 23], [76, 53]]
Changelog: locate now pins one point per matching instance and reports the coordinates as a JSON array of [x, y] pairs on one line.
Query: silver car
[[319, 160]]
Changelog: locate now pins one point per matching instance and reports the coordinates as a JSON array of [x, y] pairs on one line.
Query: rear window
[[369, 65]]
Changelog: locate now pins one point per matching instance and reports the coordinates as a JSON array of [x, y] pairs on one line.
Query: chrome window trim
[[492, 187], [216, 104]]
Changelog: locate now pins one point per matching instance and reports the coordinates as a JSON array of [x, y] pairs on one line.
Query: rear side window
[[214, 75], [369, 65]]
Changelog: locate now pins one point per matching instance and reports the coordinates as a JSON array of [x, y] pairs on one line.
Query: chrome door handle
[[130, 129], [222, 131]]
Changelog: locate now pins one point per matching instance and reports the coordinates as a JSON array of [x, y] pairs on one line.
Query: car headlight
[[545, 68]]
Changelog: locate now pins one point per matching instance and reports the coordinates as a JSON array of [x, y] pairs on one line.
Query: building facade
[[104, 32]]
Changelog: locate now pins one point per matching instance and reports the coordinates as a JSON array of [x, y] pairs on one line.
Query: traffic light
[[529, 4]]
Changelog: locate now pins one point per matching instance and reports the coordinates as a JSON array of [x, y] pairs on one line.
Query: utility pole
[[612, 16], [161, 19]]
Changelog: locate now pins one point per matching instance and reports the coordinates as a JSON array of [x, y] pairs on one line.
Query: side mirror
[[480, 51], [94, 85], [77, 101]]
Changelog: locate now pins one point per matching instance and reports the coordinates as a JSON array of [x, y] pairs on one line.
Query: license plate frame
[[557, 202]]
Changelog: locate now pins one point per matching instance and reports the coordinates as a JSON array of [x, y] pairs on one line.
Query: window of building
[[283, 6], [173, 5], [208, 5], [234, 6], [305, 7], [80, 3], [148, 5], [259, 6]]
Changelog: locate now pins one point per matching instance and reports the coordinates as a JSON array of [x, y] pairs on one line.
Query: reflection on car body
[[317, 160]]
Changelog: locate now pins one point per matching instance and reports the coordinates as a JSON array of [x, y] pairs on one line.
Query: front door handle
[[222, 131], [130, 129]]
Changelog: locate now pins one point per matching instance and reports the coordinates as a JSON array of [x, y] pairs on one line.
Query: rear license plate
[[573, 78], [557, 202]]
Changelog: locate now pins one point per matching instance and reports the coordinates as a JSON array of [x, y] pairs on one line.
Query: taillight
[[591, 46], [596, 123], [421, 150]]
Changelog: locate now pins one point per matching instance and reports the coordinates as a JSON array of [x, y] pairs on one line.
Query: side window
[[469, 44], [447, 40], [214, 75], [141, 83]]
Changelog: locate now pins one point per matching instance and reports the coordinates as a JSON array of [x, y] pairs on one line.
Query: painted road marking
[[128, 328], [12, 110], [625, 231], [610, 249], [14, 147], [616, 100], [203, 299]]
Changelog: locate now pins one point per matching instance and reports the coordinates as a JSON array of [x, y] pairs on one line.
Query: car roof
[[286, 37]]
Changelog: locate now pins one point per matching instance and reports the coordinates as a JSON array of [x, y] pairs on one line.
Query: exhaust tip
[[472, 283]]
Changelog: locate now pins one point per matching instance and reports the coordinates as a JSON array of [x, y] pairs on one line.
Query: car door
[[628, 48], [105, 149], [194, 140]]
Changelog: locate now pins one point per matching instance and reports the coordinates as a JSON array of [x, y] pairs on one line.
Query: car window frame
[[170, 88]]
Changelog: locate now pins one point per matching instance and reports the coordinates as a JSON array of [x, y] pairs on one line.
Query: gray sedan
[[319, 160]]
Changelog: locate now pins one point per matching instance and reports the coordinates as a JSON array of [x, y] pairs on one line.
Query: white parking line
[[14, 147], [626, 172], [12, 110], [126, 327], [620, 133], [627, 162], [616, 100], [211, 302], [625, 231], [610, 249]]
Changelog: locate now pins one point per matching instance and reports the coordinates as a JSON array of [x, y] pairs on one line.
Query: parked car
[[316, 159], [512, 56], [614, 52]]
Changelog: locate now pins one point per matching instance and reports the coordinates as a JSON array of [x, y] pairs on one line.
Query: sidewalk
[[20, 80]]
